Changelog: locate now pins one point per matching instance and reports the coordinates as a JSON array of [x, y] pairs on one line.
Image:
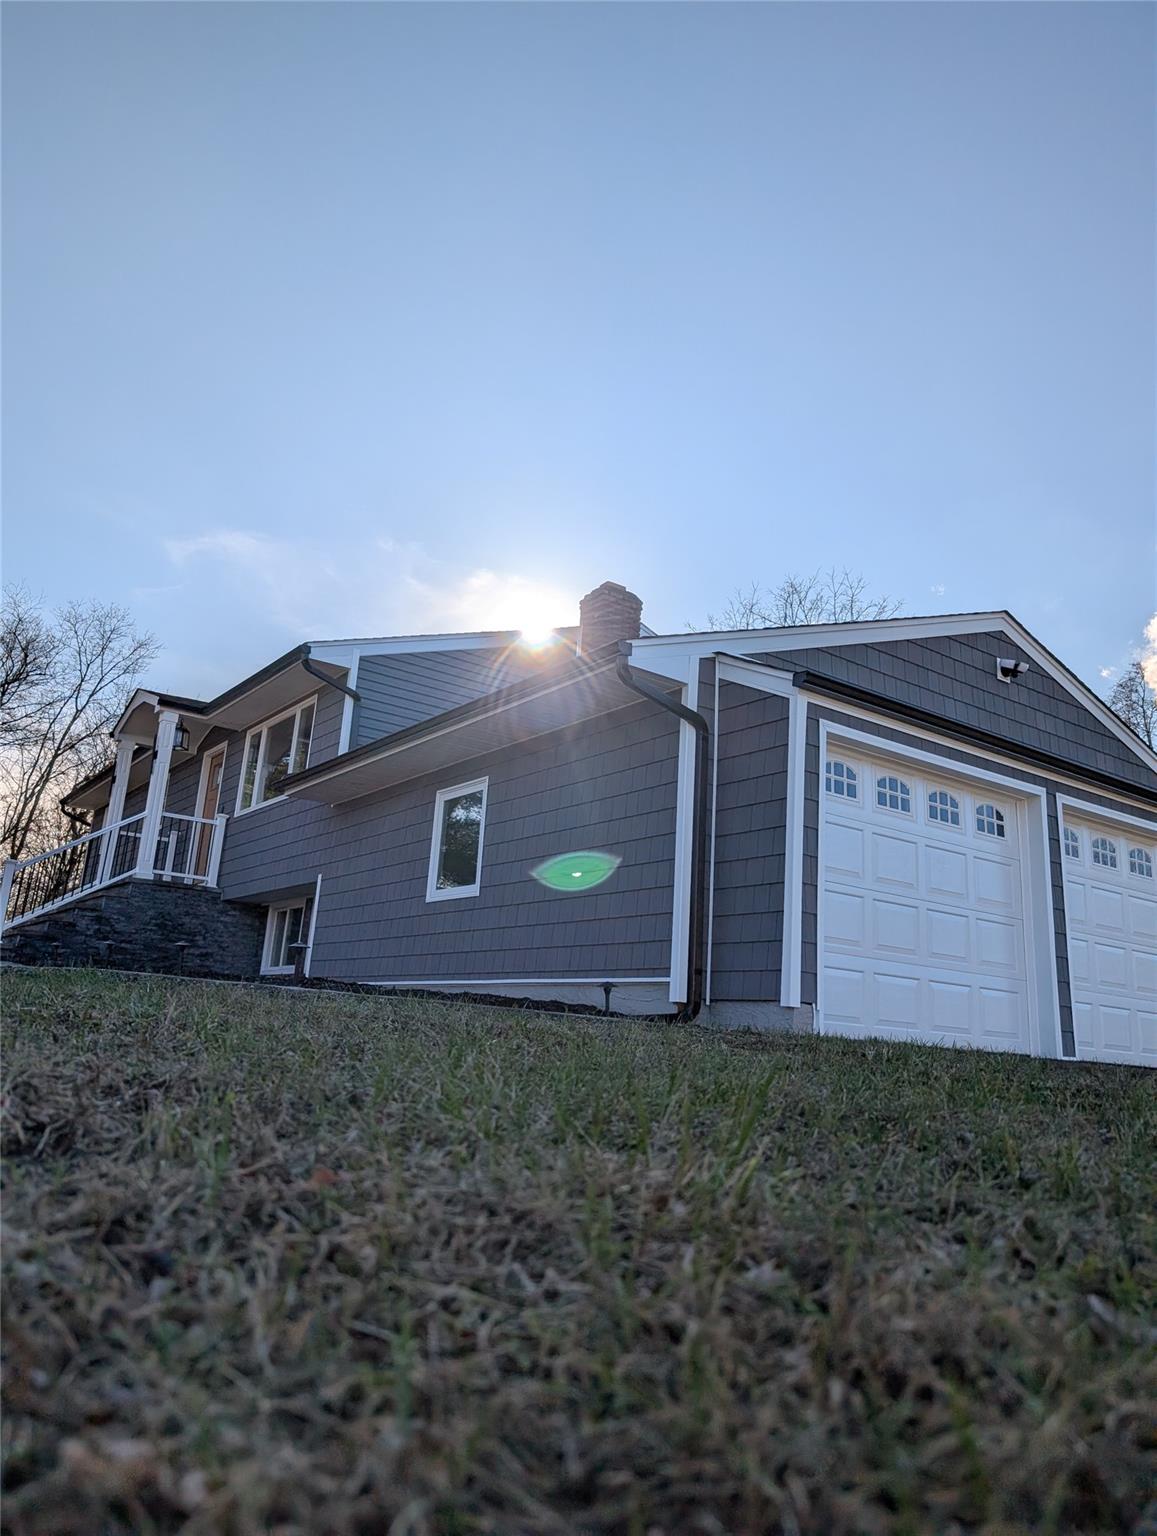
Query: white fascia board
[[337, 651], [1079, 691], [753, 674], [801, 636]]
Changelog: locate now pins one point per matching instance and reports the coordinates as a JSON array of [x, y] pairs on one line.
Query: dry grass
[[281, 1263]]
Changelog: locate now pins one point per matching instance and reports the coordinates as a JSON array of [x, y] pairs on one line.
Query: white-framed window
[[286, 925], [943, 807], [1104, 852], [1141, 863], [456, 843], [1072, 844], [893, 794], [274, 750], [841, 779], [990, 820]]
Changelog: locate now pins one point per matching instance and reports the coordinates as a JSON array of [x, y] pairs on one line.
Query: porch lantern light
[[181, 739]]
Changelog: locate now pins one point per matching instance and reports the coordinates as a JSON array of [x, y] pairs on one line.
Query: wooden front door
[[210, 800]]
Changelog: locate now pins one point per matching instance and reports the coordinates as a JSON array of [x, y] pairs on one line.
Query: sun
[[537, 618]]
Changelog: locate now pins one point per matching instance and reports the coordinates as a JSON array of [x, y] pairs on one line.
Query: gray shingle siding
[[955, 677], [400, 690], [609, 784], [750, 821]]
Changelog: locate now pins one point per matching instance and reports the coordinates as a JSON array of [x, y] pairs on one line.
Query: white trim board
[[791, 945], [684, 841], [442, 797], [1036, 875]]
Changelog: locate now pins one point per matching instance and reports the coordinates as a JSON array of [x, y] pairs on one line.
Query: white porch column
[[116, 803], [158, 788]]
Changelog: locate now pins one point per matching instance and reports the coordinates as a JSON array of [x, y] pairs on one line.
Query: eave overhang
[[507, 718]]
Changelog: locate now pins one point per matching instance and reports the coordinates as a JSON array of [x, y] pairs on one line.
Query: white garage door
[[1111, 908], [922, 924]]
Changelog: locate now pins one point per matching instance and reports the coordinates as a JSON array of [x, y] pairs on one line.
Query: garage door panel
[[1112, 923], [1106, 909], [1142, 918], [996, 883], [1147, 1029], [844, 918], [950, 1008], [997, 945], [844, 850], [844, 994], [897, 1000], [1110, 962], [1001, 1014], [896, 927], [946, 873], [949, 936], [1079, 961], [1144, 974], [895, 861]]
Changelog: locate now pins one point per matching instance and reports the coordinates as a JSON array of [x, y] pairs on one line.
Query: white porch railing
[[187, 851]]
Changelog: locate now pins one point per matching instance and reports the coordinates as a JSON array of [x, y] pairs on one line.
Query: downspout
[[350, 693], [699, 823]]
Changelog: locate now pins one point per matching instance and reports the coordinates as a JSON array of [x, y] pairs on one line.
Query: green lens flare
[[576, 871]]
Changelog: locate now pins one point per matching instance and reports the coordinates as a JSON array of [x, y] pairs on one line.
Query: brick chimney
[[607, 615]]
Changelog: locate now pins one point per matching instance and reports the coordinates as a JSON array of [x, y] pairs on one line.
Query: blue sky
[[323, 320]]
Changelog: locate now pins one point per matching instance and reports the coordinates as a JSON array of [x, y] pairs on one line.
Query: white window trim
[[222, 750], [262, 729], [270, 917], [454, 792]]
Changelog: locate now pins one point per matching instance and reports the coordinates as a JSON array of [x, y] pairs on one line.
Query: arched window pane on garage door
[[1140, 863], [990, 820], [1105, 852], [840, 779], [892, 794], [943, 807]]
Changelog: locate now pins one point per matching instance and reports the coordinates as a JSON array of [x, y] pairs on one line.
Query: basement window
[[1105, 852], [272, 752], [287, 925], [456, 845], [989, 821], [1140, 863], [840, 779]]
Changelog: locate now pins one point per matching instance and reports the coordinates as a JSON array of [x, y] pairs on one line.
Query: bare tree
[[1135, 700], [825, 597], [65, 677]]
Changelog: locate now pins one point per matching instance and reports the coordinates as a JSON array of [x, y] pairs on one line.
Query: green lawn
[[290, 1263]]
